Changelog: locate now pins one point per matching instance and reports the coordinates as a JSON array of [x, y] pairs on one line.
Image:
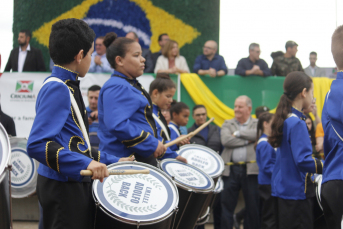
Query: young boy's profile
[[56, 139]]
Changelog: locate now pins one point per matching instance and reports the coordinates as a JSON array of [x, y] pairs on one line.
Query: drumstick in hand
[[117, 172], [191, 134]]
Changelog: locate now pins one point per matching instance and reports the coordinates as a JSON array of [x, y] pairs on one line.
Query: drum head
[[5, 149], [187, 176], [147, 198], [24, 169], [204, 158], [219, 186]]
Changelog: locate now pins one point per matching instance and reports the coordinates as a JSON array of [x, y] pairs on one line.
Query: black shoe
[[235, 222]]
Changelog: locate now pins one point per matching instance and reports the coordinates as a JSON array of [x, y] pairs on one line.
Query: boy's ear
[[119, 61], [154, 92], [79, 56]]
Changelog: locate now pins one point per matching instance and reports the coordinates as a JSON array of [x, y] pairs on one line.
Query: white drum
[[204, 158], [131, 201], [24, 169]]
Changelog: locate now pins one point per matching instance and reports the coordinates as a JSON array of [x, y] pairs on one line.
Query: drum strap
[[175, 129], [262, 140], [77, 111], [162, 126]]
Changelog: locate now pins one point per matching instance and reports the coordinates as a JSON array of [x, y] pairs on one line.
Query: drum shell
[[204, 219], [191, 205], [5, 200]]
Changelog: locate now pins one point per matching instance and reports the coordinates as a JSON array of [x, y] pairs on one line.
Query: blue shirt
[[332, 117], [246, 64], [124, 128], [265, 158], [106, 67], [201, 62], [95, 124], [203, 132], [294, 161], [56, 140]]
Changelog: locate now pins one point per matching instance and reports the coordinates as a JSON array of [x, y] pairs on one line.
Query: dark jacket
[[33, 63], [213, 138], [8, 123]]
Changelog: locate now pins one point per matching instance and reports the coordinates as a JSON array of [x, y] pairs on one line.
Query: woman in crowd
[[291, 182], [170, 61], [312, 134]]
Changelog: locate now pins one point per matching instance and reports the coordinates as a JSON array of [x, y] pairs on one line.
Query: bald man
[[149, 66], [210, 63]]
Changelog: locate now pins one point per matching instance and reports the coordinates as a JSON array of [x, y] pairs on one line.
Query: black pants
[[268, 220], [332, 202], [66, 205], [237, 180], [294, 214]]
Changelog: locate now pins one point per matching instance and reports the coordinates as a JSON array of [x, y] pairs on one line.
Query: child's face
[[165, 98], [181, 119], [134, 62], [83, 67], [309, 124], [309, 98]]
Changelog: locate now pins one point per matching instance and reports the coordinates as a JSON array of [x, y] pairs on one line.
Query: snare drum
[[134, 201], [5, 179], [204, 219], [24, 169], [218, 189], [195, 189]]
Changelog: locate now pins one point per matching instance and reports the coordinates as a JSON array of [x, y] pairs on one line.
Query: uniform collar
[[298, 113], [340, 75], [155, 108], [174, 124], [264, 136], [64, 73]]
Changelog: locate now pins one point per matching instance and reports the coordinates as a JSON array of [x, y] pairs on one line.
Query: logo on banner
[[24, 86]]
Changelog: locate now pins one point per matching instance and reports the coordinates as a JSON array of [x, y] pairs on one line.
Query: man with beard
[[210, 63], [25, 58]]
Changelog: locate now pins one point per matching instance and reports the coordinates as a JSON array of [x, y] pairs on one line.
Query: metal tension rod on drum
[[117, 172], [191, 134]]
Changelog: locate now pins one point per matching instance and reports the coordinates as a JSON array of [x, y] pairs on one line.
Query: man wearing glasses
[[210, 63], [253, 65], [99, 63]]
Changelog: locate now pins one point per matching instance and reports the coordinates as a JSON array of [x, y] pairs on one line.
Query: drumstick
[[191, 134], [117, 172]]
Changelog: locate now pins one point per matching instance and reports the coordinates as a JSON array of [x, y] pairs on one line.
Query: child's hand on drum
[[180, 158], [99, 170], [131, 158], [159, 150]]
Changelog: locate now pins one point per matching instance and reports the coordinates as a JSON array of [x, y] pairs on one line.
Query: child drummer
[[56, 139]]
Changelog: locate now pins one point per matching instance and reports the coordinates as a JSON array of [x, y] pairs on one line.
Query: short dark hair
[[94, 88], [160, 36], [116, 46], [27, 32], [67, 38], [198, 106], [313, 53], [161, 83], [177, 108]]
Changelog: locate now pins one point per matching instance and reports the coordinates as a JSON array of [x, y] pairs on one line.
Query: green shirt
[[282, 66]]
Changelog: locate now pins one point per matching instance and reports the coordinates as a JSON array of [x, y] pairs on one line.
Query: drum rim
[[221, 186], [134, 222], [318, 182], [6, 162], [214, 153], [185, 187]]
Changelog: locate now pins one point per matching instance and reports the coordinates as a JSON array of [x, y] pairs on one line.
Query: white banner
[[19, 92]]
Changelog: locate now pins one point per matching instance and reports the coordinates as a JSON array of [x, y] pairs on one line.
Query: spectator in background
[[170, 61], [99, 62], [162, 40], [311, 132], [313, 70], [149, 67], [7, 123], [273, 55], [210, 63], [238, 136], [319, 138], [253, 65], [25, 58], [261, 109], [282, 65], [92, 112]]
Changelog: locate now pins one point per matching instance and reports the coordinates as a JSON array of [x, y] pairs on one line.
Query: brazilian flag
[[190, 23]]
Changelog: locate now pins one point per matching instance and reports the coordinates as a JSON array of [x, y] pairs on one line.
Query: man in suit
[[25, 58], [313, 70], [238, 136], [149, 66], [162, 40]]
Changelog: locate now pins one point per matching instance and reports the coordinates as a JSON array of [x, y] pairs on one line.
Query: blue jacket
[[265, 157], [56, 140], [173, 134], [332, 119], [161, 135], [294, 161], [201, 62]]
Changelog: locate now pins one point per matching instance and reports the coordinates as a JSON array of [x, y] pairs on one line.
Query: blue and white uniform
[[56, 139], [174, 134], [294, 161], [265, 157]]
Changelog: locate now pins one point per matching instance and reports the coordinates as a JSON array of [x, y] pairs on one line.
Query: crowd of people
[[168, 59], [280, 152]]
